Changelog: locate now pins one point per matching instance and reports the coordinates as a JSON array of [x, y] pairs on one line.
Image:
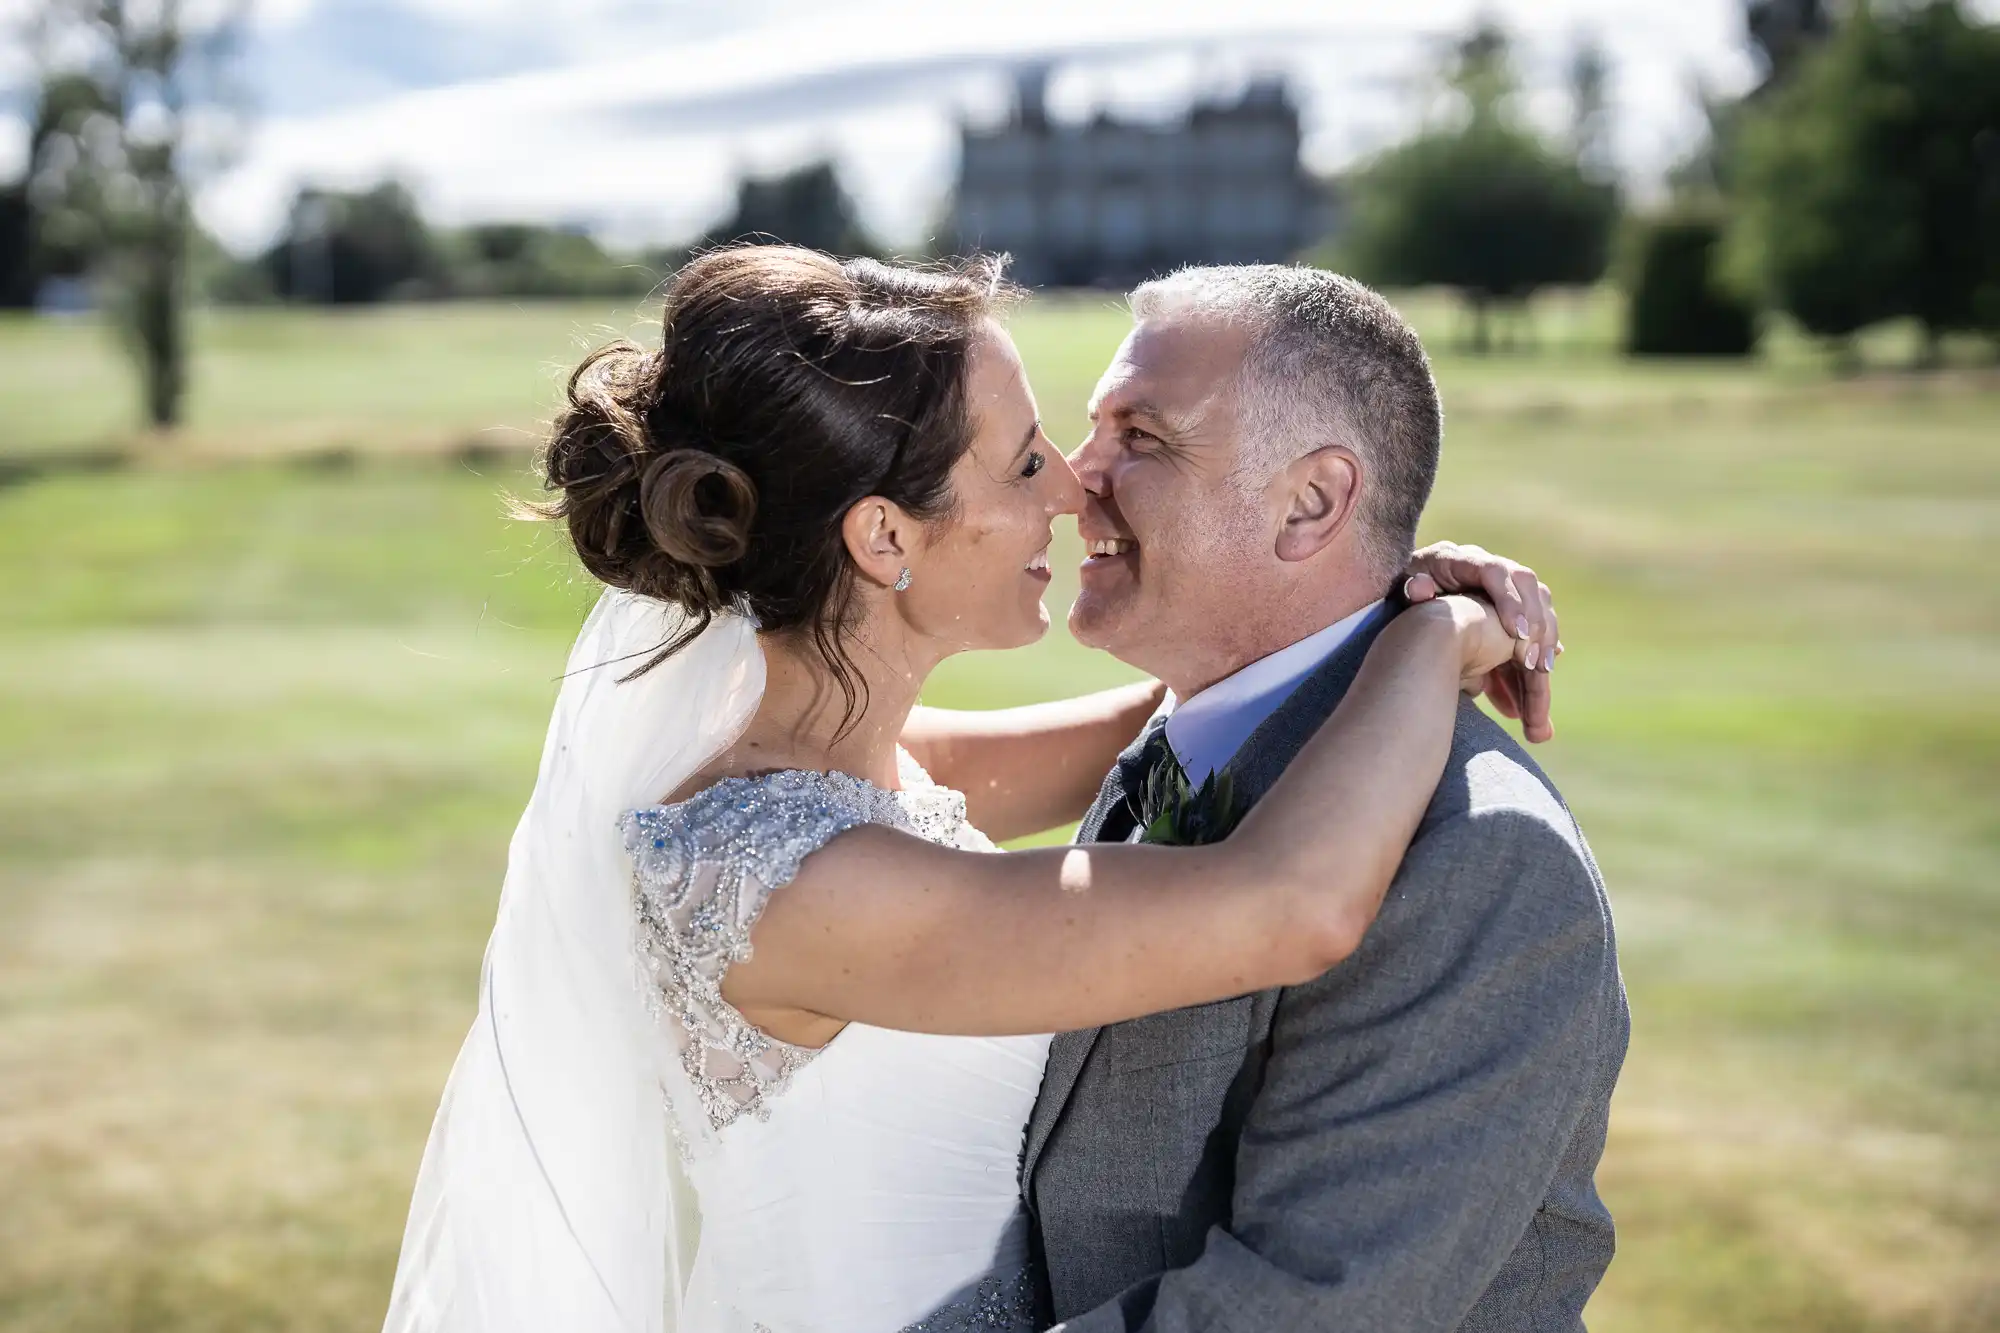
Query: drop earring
[[903, 580]]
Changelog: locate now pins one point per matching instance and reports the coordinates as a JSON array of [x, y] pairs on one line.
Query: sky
[[634, 118]]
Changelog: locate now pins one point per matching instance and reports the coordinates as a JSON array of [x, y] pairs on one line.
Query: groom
[[1405, 1145]]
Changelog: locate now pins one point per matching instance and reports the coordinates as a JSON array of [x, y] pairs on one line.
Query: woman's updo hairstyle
[[714, 473]]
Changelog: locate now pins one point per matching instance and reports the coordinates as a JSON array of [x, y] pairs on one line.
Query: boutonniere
[[1175, 813]]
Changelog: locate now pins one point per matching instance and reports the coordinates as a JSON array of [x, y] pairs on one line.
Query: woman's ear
[[1321, 490], [880, 537]]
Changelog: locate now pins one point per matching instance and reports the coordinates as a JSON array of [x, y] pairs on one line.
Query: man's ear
[[1321, 492], [880, 539]]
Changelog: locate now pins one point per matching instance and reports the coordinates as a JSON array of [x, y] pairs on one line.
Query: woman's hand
[[1484, 642], [1519, 687]]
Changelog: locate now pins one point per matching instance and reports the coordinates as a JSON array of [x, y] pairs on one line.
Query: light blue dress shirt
[[1208, 728]]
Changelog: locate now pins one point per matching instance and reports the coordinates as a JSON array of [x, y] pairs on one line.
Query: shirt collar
[[1206, 729]]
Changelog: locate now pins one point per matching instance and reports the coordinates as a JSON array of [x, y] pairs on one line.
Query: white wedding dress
[[617, 1150], [867, 1186]]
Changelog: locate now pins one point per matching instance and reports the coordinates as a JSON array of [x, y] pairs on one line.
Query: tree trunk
[[1524, 328], [1930, 352], [158, 298], [162, 332], [1846, 356], [1482, 331]]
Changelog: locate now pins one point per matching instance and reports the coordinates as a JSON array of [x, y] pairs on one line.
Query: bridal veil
[[550, 1195]]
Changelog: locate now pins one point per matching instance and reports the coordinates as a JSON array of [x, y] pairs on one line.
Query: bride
[[830, 478]]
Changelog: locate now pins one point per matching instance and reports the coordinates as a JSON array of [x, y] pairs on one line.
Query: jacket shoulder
[[1498, 837], [1489, 773]]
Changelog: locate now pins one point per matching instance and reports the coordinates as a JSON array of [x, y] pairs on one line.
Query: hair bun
[[645, 513], [697, 507]]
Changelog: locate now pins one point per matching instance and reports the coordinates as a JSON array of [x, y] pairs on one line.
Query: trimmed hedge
[[1677, 308]]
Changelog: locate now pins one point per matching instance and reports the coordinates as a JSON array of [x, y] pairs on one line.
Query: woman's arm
[[889, 930], [1027, 769], [1518, 689]]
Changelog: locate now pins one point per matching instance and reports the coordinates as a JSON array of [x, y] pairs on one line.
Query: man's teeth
[[1041, 560], [1112, 546]]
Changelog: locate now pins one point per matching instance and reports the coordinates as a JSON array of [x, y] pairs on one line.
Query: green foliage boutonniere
[[1177, 814]]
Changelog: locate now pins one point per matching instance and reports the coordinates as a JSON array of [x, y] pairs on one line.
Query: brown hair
[[714, 473]]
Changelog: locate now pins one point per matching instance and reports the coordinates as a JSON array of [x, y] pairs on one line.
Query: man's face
[[1175, 542]]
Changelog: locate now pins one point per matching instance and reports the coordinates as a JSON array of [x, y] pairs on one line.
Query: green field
[[271, 697]]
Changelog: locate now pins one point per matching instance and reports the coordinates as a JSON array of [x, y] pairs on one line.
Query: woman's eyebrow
[[1034, 429]]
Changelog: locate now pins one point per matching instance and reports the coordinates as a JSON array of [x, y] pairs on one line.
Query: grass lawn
[[265, 726]]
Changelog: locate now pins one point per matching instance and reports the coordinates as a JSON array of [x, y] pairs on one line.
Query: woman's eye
[[1037, 460]]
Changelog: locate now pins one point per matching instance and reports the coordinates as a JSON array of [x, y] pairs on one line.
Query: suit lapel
[[1111, 818], [1254, 768], [1067, 1054]]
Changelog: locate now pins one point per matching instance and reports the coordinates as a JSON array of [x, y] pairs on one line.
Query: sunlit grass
[[454, 378], [264, 729]]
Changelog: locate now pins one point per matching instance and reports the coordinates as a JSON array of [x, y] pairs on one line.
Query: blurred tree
[[808, 207], [68, 244], [1863, 192], [132, 102], [1676, 305], [73, 158], [17, 230], [524, 260], [1477, 201], [214, 274], [1784, 33], [351, 248], [1781, 35], [345, 248], [1590, 109], [1986, 152], [1480, 70]]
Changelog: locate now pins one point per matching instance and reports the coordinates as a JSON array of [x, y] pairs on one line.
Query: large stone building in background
[[1109, 202]]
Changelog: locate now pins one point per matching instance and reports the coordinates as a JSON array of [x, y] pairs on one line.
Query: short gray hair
[[1329, 361]]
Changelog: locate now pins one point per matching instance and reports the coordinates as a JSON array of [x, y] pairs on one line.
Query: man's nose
[[1088, 463]]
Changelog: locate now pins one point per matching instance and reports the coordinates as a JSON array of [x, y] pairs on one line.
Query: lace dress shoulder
[[704, 868]]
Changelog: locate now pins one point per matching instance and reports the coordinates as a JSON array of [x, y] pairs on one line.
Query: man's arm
[[1417, 1100], [1026, 769]]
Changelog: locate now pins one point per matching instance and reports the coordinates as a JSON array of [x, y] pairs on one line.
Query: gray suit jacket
[[1404, 1145]]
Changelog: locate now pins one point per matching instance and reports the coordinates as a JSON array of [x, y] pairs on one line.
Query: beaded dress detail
[[868, 1186]]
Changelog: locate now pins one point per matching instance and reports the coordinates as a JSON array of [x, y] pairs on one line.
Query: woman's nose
[[1067, 494]]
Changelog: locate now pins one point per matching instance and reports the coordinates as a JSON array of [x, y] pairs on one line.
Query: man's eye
[[1037, 460], [1133, 435]]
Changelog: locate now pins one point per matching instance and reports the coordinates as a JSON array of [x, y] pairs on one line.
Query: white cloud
[[648, 138]]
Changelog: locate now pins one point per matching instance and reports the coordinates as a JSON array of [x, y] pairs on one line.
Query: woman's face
[[979, 581]]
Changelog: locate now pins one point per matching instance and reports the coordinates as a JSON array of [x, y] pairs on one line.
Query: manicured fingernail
[[1521, 629], [1410, 589], [1534, 651], [1549, 662]]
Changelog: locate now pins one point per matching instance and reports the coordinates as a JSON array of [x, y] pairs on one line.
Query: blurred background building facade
[[1111, 201]]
